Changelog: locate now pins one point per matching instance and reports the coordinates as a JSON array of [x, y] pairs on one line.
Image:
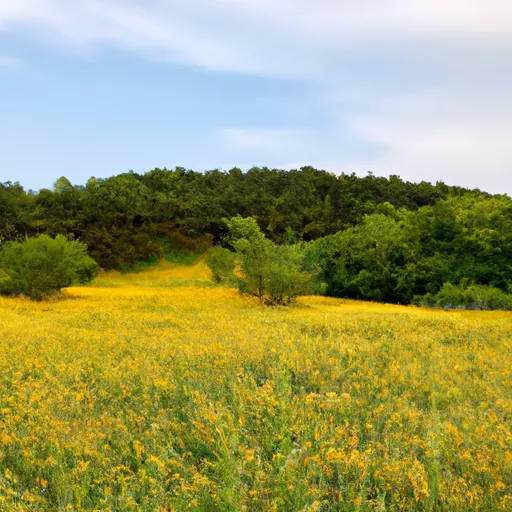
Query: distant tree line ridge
[[369, 237]]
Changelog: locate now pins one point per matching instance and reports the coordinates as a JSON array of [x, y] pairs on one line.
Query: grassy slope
[[145, 393]]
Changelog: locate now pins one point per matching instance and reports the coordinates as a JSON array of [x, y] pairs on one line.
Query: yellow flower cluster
[[158, 392]]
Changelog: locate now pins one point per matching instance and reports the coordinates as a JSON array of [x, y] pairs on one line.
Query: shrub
[[221, 263], [271, 272], [42, 266], [284, 277], [467, 297], [183, 258]]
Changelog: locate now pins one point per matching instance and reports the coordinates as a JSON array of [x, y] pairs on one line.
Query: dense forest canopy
[[369, 237]]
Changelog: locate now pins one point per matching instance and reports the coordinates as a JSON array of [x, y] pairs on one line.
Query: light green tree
[[42, 266], [258, 267]]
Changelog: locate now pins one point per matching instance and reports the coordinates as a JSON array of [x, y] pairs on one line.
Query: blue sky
[[99, 87]]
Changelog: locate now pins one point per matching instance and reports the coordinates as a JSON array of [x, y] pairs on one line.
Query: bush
[[284, 278], [221, 263], [467, 297], [183, 258], [271, 272], [42, 266]]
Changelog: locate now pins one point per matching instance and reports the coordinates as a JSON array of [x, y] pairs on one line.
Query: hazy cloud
[[9, 62], [426, 82], [263, 140], [263, 36]]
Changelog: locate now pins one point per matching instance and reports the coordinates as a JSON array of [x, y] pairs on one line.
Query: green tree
[[15, 210], [221, 262], [243, 232], [450, 233], [285, 277], [364, 262], [62, 185], [268, 271], [42, 266], [253, 251]]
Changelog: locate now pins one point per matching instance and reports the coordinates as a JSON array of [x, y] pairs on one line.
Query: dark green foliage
[[15, 208], [127, 219], [396, 255], [467, 297], [363, 262], [372, 238], [184, 258], [42, 266], [221, 263]]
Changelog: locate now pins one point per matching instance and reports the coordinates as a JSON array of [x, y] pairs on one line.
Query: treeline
[[370, 237], [403, 256]]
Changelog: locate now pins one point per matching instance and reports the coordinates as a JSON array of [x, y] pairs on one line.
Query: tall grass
[[138, 394]]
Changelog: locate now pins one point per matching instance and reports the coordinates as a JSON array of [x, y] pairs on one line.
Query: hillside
[[369, 238]]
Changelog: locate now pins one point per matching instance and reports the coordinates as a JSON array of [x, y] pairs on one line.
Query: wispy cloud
[[366, 20], [475, 153], [426, 82], [457, 136], [267, 36]]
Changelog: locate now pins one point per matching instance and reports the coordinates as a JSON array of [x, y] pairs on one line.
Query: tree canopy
[[125, 218], [42, 266], [371, 237]]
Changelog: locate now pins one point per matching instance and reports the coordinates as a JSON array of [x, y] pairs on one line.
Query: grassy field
[[156, 391]]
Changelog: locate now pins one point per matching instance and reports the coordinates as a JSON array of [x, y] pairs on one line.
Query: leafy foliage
[[273, 273], [42, 266], [285, 278], [397, 255], [473, 297], [129, 218], [373, 238], [221, 263], [363, 262]]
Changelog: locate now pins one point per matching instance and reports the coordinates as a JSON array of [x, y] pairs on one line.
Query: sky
[[408, 87]]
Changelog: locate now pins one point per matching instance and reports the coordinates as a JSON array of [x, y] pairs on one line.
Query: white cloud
[[476, 154], [260, 36], [455, 134], [274, 37], [364, 20], [152, 28]]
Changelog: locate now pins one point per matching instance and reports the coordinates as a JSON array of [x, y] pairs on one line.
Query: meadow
[[157, 391]]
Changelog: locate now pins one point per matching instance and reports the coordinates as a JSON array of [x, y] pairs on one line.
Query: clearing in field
[[157, 391]]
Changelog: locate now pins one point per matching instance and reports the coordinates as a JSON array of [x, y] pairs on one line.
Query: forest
[[372, 238]]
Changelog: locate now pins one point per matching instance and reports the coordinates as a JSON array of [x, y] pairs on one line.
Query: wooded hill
[[369, 237]]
